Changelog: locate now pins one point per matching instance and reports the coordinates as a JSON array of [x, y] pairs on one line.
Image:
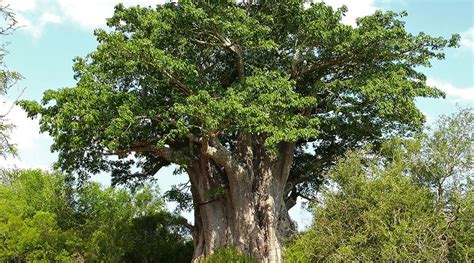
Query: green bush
[[42, 218]]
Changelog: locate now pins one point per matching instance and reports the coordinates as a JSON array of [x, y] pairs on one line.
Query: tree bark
[[241, 206]]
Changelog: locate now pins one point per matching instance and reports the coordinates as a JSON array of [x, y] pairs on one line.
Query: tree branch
[[236, 51], [287, 151], [186, 224], [178, 83], [315, 67], [183, 87], [217, 152], [292, 198], [13, 104], [202, 42], [145, 147], [239, 61]]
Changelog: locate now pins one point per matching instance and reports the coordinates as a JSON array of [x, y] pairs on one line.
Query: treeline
[[404, 200]]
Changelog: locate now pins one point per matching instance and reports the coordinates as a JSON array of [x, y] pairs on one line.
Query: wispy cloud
[[356, 9], [34, 15], [455, 93], [36, 28], [21, 5], [467, 39], [25, 135]]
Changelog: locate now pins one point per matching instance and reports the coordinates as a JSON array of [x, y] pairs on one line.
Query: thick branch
[[315, 67], [145, 147], [309, 170], [202, 42], [287, 152], [245, 146], [189, 226], [178, 83], [239, 61], [292, 199], [217, 152], [236, 51], [227, 44], [183, 87]]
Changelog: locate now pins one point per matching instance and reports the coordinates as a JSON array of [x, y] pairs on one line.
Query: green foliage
[[411, 201], [42, 218], [162, 77], [224, 255], [34, 217]]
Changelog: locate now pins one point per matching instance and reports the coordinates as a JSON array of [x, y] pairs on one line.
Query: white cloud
[[455, 93], [90, 14], [22, 21], [467, 39], [27, 131], [17, 163], [35, 15], [47, 18], [21, 5], [26, 135], [36, 28], [356, 9], [429, 118]]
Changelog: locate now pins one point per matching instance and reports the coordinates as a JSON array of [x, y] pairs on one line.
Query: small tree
[[233, 94], [446, 161]]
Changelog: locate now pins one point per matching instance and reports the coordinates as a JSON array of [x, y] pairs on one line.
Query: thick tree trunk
[[242, 207]]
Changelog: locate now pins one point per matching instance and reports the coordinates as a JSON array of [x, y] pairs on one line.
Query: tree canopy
[[214, 69]]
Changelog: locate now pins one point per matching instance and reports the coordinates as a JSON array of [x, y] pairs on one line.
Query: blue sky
[[53, 32]]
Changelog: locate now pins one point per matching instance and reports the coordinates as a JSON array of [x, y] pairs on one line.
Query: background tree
[[233, 94], [447, 158], [7, 79], [386, 206], [42, 218]]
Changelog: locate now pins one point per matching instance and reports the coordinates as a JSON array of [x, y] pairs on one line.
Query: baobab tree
[[234, 94]]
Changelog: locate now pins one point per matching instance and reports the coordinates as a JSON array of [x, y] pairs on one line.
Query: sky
[[53, 32]]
